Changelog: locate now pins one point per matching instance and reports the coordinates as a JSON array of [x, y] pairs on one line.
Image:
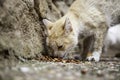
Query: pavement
[[50, 70]]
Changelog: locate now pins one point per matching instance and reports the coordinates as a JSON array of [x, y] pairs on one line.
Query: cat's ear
[[47, 23], [68, 26]]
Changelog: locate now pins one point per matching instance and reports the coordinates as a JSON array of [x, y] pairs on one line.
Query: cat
[[112, 40], [82, 18]]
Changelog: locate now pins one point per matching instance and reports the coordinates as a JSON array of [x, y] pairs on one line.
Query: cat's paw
[[95, 56]]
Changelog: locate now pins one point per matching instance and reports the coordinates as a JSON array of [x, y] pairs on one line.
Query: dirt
[[106, 69]]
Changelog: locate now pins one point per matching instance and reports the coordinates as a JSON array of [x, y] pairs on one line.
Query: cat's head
[[61, 37]]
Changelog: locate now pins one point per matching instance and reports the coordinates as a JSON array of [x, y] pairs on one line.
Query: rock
[[61, 5], [25, 69], [100, 73], [84, 71], [20, 29], [47, 9]]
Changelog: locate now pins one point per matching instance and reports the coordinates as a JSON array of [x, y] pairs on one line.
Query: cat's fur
[[83, 18]]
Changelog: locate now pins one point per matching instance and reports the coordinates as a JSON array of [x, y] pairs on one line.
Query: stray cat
[[83, 18], [112, 40]]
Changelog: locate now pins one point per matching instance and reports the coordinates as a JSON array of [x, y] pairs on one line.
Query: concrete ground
[[107, 69]]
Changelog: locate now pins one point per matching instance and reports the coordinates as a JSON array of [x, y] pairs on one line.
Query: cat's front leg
[[98, 44]]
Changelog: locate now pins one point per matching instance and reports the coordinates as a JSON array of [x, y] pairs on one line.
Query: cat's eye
[[60, 47]]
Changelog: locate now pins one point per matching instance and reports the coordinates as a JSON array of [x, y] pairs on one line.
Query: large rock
[[20, 30], [47, 9]]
